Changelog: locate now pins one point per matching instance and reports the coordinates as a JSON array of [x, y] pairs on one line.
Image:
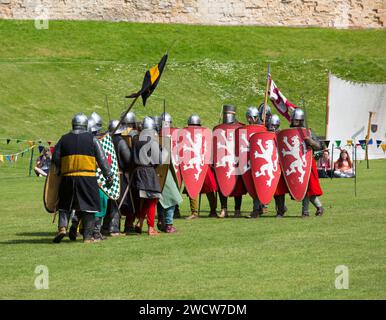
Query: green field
[[47, 76]]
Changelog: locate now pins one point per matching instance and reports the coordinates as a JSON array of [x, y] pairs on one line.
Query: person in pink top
[[343, 166]]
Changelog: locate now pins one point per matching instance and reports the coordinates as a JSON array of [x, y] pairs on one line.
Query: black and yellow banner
[[150, 80]]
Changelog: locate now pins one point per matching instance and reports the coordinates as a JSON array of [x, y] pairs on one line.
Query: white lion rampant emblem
[[198, 160], [271, 166], [229, 160], [300, 162]]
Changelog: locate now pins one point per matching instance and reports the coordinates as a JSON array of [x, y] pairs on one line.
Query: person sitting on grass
[[43, 163], [343, 166], [324, 165]]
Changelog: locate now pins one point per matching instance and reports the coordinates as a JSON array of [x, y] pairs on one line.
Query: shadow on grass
[[48, 237], [245, 215], [285, 217], [36, 234], [27, 241]]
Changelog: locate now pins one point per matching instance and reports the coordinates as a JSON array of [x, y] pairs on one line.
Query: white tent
[[348, 108]]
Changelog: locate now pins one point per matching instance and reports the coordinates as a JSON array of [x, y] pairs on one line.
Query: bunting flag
[[49, 142], [383, 146], [337, 143], [8, 141], [1, 158], [150, 80], [349, 143], [379, 143], [370, 141], [52, 149], [8, 158], [41, 148], [31, 143], [362, 143], [18, 141], [327, 143], [280, 102]]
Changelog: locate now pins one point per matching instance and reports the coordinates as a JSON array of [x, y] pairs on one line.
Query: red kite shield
[[295, 159], [243, 135], [194, 146], [224, 157], [265, 167]]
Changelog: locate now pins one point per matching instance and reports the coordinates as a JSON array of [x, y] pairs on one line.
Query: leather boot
[[73, 233], [60, 235], [319, 211]]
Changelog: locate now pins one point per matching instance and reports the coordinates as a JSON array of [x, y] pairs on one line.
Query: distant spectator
[[324, 165], [343, 166], [43, 163]]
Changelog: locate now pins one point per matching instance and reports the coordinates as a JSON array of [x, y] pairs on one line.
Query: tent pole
[[368, 138], [327, 105]]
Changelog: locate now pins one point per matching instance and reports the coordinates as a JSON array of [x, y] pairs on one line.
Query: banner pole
[[30, 160], [124, 115], [266, 92], [305, 115], [356, 170], [108, 107], [221, 112]]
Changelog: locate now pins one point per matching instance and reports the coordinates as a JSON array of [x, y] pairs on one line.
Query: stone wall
[[324, 13]]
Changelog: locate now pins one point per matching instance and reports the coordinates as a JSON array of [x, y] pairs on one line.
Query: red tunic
[[314, 188], [281, 186], [209, 184]]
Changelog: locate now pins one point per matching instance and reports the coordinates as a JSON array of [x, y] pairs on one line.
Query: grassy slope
[[47, 76]]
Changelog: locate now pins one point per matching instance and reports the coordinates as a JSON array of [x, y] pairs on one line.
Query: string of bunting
[[361, 143], [14, 156], [30, 142]]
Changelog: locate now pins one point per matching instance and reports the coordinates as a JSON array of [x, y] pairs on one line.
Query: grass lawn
[[208, 258], [47, 76]]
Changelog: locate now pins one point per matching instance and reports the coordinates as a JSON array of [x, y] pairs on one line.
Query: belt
[[80, 174]]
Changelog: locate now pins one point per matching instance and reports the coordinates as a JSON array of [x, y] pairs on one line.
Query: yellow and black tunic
[[75, 154]]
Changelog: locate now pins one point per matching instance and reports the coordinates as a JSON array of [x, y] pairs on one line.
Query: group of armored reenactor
[[86, 209]]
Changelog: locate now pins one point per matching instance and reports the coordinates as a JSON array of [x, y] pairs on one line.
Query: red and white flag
[[280, 101]]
